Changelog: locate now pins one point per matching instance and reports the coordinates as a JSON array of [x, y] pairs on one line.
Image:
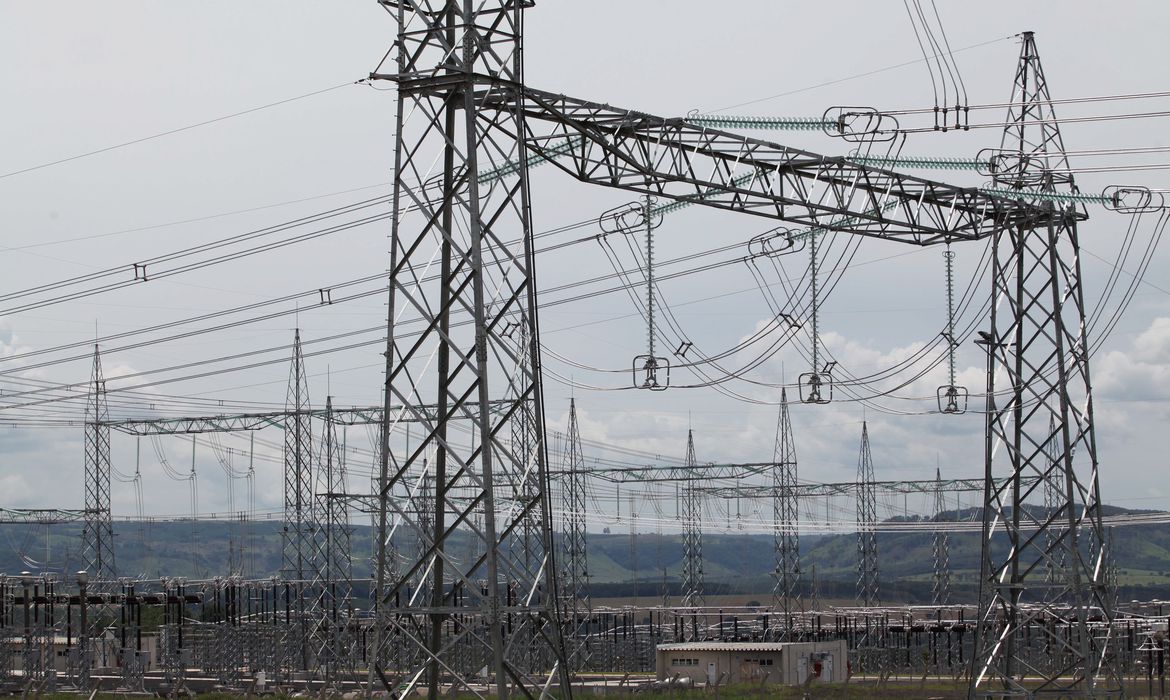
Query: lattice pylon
[[299, 563], [333, 633], [1054, 566], [97, 535], [525, 551], [867, 549], [461, 285], [786, 598], [940, 593], [575, 579], [814, 589], [692, 526], [1038, 343]]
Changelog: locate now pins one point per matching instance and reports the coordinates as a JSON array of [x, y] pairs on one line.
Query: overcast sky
[[78, 77]]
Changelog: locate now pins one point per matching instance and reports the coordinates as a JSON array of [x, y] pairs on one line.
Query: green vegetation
[[735, 563]]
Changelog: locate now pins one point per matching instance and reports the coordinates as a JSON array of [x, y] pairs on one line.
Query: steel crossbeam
[[669, 157]]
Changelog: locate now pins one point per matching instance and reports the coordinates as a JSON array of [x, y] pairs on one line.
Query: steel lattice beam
[[647, 473], [635, 151], [242, 422], [40, 516], [852, 488]]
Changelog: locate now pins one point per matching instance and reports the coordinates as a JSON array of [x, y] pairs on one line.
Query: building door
[[712, 673], [801, 670], [827, 668]]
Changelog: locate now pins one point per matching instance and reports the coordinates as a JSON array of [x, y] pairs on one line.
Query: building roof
[[727, 646]]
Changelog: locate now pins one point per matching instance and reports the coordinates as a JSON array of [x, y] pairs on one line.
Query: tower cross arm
[[671, 158]]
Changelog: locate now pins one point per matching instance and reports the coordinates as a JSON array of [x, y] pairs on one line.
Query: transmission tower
[[422, 500], [785, 517], [1037, 341], [867, 551], [941, 592], [1054, 567], [335, 539], [338, 532], [448, 59], [814, 589], [575, 580], [98, 532], [692, 523], [299, 502], [524, 550]]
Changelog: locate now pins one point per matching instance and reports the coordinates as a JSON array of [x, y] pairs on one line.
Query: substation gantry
[[459, 71]]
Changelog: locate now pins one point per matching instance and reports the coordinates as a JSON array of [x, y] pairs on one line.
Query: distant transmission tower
[[867, 550], [299, 503], [1053, 485], [785, 517], [814, 589], [334, 546], [941, 591], [97, 535], [692, 523], [1037, 341], [575, 581]]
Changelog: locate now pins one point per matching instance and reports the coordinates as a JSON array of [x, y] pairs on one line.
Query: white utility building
[[787, 663]]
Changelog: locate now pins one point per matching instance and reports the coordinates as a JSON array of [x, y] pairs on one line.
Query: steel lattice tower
[[867, 550], [814, 589], [300, 507], [575, 580], [97, 536], [299, 502], [524, 550], [448, 59], [941, 590], [692, 523], [336, 530], [785, 521], [1054, 566], [1037, 341], [334, 539]]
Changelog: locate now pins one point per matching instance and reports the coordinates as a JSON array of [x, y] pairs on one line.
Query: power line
[[178, 130]]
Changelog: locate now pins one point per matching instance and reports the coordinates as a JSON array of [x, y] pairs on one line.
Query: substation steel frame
[[600, 144]]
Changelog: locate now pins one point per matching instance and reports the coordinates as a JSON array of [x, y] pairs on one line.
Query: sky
[[78, 78]]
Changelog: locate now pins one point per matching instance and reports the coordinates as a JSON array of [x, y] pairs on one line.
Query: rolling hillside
[[733, 563]]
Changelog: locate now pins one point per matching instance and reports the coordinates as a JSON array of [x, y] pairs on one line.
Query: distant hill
[[733, 563]]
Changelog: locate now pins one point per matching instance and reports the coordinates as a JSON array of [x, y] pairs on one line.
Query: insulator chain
[[816, 385], [650, 370], [952, 398]]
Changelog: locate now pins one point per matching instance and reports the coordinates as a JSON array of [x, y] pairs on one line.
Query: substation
[[477, 582]]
